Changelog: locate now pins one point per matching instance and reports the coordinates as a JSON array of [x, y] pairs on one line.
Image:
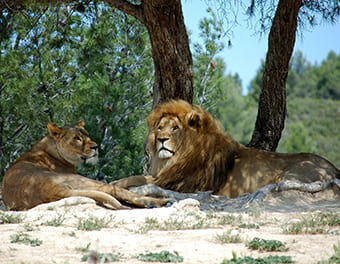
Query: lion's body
[[190, 152], [47, 173]]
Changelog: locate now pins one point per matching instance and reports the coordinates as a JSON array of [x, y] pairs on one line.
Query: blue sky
[[244, 57]]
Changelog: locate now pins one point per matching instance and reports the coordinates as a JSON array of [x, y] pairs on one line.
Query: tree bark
[[170, 47], [272, 104]]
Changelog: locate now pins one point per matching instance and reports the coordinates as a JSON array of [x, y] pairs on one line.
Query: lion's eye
[[160, 128], [175, 128], [77, 138]]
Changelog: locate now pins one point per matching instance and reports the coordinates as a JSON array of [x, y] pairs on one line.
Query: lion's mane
[[205, 157]]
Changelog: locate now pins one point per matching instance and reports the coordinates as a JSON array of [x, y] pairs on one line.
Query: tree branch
[[128, 8], [122, 5]]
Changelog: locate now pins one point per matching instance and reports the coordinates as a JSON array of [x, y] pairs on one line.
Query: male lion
[[190, 152], [47, 173]]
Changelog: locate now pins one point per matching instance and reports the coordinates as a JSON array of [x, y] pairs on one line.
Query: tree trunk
[[272, 104], [170, 46], [170, 51]]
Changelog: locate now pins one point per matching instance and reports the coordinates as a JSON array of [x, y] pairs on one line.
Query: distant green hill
[[313, 125]]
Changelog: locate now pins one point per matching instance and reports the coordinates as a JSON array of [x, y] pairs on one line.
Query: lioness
[[190, 152], [47, 173]]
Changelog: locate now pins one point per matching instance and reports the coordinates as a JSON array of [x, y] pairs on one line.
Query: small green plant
[[249, 226], [264, 260], [28, 227], [57, 221], [100, 257], [25, 239], [319, 223], [163, 256], [72, 234], [84, 249], [227, 237], [266, 245], [9, 218], [335, 258], [225, 219], [92, 223]]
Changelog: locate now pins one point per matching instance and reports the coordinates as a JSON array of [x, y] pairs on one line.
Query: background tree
[[75, 65], [61, 64], [312, 121], [272, 104]]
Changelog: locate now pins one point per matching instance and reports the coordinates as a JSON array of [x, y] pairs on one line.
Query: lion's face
[[167, 137], [74, 144]]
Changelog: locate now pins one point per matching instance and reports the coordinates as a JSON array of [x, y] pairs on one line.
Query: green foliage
[[311, 122], [311, 13], [335, 258], [227, 237], [237, 113], [163, 256], [317, 81], [57, 221], [264, 260], [299, 140], [92, 223], [23, 238], [306, 80], [63, 63], [266, 245], [9, 218], [60, 65], [315, 122], [318, 223], [209, 77]]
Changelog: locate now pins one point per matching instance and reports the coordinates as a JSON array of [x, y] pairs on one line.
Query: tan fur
[[47, 173], [201, 157]]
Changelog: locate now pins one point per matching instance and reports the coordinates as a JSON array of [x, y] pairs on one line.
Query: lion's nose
[[162, 140]]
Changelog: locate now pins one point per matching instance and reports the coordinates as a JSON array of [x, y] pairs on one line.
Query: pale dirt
[[126, 237]]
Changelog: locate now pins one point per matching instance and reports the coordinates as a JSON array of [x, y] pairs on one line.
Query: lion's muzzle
[[93, 157], [163, 151]]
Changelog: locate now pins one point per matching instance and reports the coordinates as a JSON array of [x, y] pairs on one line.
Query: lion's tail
[[99, 197]]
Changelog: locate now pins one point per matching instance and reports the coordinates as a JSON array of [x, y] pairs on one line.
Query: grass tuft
[[319, 223], [227, 237], [163, 256], [92, 223], [9, 218], [263, 260]]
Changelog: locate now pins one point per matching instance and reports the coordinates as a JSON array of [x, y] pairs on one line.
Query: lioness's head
[[73, 143]]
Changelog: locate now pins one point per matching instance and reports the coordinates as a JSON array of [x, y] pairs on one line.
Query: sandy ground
[[127, 233]]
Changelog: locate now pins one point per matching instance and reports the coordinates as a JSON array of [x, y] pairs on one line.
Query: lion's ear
[[80, 124], [55, 132], [193, 120]]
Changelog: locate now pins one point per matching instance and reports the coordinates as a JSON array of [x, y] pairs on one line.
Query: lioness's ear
[[80, 124], [193, 119], [55, 132]]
